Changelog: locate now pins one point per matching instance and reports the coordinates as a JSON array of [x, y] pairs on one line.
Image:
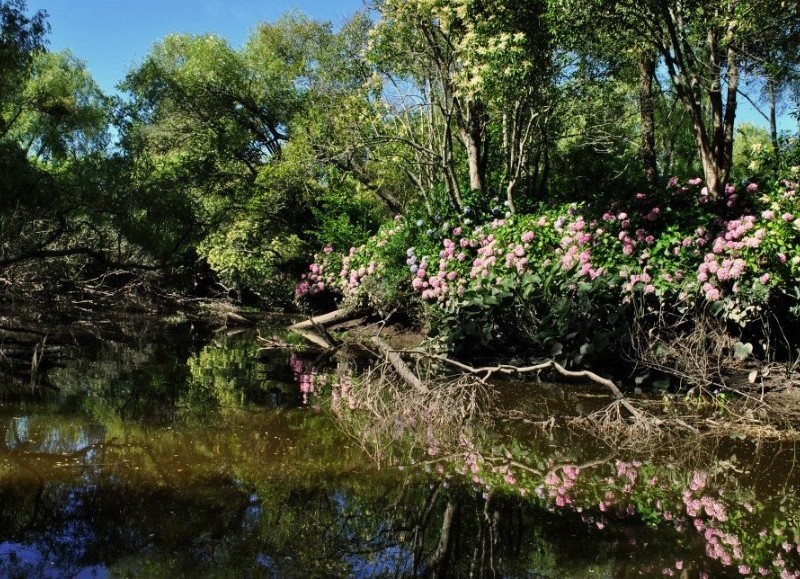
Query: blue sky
[[113, 36]]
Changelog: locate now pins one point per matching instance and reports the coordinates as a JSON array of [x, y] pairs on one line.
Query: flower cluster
[[349, 275], [558, 487], [677, 246]]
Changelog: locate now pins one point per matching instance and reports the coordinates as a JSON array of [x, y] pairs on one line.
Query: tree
[[61, 111], [464, 86], [226, 134], [773, 57], [701, 44], [21, 38], [53, 122]]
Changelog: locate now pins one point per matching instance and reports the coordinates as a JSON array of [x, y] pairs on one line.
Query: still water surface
[[187, 452]]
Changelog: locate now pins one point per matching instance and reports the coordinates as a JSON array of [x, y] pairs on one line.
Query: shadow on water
[[182, 451]]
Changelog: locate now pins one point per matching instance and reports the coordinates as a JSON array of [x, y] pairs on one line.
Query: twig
[[599, 380], [487, 370]]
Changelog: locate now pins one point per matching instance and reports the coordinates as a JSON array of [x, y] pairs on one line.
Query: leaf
[[716, 308], [557, 348], [662, 349], [742, 351]]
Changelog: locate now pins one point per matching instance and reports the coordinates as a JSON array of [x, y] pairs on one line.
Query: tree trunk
[[713, 136], [773, 121], [474, 157], [715, 180], [730, 111], [647, 69], [340, 315], [471, 120]]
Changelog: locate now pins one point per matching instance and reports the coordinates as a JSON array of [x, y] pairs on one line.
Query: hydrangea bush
[[573, 275]]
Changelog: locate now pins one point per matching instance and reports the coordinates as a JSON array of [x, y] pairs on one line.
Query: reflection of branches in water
[[380, 410], [685, 420], [455, 532], [612, 425], [765, 455]]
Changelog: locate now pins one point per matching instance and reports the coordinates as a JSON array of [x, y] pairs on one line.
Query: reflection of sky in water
[[377, 556], [393, 561], [19, 560], [252, 515], [35, 434], [267, 562], [17, 432]]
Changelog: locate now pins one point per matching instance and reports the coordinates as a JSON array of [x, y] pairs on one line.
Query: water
[[173, 450]]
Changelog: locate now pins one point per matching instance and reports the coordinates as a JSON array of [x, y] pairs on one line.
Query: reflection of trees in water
[[280, 490], [718, 525], [337, 530], [208, 483]]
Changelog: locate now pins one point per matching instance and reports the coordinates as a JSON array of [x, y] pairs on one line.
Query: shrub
[[568, 280]]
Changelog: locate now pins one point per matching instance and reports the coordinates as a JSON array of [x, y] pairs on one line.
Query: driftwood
[[318, 323], [325, 319], [233, 318], [319, 340], [397, 363], [408, 375], [618, 395]]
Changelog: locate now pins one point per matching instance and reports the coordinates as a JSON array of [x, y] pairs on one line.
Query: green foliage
[[749, 150], [65, 114], [345, 217], [21, 38], [371, 275], [568, 281]]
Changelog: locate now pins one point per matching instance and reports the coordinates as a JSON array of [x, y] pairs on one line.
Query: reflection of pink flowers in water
[[559, 487], [311, 381]]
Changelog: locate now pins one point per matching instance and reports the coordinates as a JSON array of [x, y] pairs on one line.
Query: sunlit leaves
[[64, 112]]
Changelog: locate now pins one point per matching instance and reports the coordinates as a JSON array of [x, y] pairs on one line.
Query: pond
[[189, 451]]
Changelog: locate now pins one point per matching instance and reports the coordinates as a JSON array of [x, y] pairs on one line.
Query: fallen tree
[[395, 358]]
